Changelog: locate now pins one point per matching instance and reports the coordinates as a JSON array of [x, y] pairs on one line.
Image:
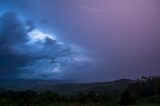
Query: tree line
[[144, 90]]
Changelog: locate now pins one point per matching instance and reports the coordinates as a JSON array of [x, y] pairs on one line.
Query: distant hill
[[65, 87], [23, 84], [100, 87]]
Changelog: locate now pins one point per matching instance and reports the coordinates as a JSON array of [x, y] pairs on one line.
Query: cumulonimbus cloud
[[26, 52]]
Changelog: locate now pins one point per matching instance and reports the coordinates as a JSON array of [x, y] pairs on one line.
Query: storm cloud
[[27, 52], [100, 39]]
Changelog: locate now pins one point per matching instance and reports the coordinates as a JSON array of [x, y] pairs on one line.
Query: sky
[[79, 40]]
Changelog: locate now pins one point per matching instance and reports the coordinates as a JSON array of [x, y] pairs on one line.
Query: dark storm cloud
[[12, 30], [12, 33], [23, 58]]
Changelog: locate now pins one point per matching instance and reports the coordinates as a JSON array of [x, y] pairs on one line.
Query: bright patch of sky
[[37, 35]]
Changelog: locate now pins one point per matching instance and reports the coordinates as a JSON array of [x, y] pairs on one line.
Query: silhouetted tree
[[158, 89], [91, 97], [104, 98], [81, 98], [28, 97], [127, 98], [144, 87]]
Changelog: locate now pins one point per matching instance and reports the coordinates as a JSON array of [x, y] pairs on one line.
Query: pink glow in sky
[[122, 35]]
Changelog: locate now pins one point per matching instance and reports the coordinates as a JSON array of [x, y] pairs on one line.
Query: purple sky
[[116, 38]]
